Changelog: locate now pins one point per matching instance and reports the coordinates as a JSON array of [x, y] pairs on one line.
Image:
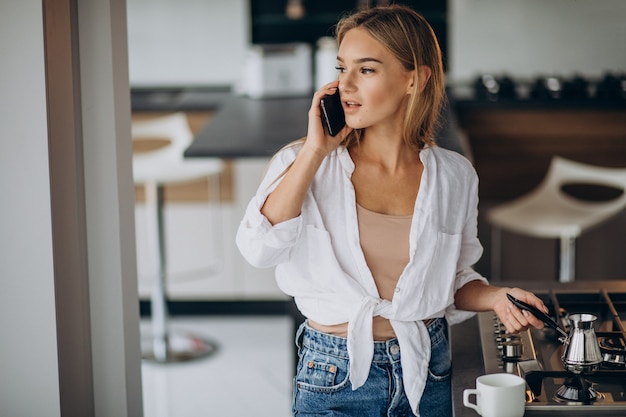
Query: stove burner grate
[[613, 351], [576, 389]]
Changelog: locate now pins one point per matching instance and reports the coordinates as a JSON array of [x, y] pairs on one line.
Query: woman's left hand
[[514, 319]]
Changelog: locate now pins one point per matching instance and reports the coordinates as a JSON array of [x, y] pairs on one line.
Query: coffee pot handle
[[537, 313]]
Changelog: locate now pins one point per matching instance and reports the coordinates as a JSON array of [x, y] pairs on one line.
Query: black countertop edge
[[173, 98], [190, 98], [504, 104]]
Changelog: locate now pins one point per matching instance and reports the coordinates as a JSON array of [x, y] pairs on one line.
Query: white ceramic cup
[[498, 395]]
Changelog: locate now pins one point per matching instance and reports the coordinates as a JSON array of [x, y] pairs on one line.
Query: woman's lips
[[350, 106]]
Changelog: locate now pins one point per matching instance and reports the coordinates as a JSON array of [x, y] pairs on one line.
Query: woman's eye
[[367, 70], [340, 69]]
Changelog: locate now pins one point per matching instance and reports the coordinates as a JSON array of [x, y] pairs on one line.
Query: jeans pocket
[[440, 366], [319, 372]]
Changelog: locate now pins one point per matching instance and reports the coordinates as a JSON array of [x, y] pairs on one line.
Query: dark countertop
[[178, 98], [467, 362], [246, 127]]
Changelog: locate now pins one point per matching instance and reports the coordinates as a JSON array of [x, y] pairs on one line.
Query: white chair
[[154, 169], [548, 212]]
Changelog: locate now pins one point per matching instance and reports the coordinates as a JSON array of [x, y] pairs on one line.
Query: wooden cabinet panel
[[512, 148]]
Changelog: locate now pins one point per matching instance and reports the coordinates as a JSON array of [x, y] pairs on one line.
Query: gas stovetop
[[535, 355]]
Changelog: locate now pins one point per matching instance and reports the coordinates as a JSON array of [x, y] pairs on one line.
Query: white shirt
[[320, 263]]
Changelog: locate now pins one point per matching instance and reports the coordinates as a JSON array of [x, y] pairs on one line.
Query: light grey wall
[[187, 42], [526, 38], [29, 377]]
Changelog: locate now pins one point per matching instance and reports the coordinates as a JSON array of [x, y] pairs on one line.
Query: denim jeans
[[322, 385]]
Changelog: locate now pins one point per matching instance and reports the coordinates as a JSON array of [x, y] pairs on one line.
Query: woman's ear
[[423, 75]]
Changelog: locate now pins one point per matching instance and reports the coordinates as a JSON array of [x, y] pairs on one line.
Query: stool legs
[[566, 256], [165, 346], [567, 259], [158, 301]]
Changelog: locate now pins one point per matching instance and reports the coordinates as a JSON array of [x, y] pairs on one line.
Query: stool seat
[[549, 212], [155, 169], [167, 165]]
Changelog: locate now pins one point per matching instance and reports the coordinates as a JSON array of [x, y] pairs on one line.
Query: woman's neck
[[389, 153]]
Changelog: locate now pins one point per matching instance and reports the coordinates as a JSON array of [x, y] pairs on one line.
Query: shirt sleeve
[[261, 243]]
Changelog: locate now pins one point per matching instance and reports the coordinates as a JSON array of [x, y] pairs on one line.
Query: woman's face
[[373, 84]]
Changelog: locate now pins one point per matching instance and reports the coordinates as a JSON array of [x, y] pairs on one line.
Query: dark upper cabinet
[[271, 23]]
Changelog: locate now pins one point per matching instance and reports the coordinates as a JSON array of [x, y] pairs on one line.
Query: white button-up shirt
[[320, 263]]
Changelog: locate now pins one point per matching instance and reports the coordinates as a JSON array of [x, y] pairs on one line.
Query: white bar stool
[[154, 169], [549, 212]]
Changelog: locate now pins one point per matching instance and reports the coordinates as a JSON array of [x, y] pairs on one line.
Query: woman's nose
[[345, 83]]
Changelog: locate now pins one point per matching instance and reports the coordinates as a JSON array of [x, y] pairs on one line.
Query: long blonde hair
[[411, 39]]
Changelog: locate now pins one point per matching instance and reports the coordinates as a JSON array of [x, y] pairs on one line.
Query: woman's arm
[[285, 202], [478, 296]]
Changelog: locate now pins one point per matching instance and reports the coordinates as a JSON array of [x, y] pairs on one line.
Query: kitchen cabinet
[[278, 21], [192, 251]]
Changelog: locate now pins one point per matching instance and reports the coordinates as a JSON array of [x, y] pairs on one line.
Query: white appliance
[[283, 70]]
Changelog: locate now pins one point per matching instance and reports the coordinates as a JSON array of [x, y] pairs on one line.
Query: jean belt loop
[[300, 336]]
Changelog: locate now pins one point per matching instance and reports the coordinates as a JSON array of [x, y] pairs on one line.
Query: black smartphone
[[332, 113]]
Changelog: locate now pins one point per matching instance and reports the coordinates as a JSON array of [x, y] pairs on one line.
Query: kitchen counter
[[178, 98], [245, 127], [467, 362]]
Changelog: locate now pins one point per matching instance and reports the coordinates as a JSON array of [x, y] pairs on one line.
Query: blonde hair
[[411, 39]]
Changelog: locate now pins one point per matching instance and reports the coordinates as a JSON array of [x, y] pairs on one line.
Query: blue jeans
[[322, 385]]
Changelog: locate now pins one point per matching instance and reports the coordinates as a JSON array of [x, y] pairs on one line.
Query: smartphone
[[332, 113]]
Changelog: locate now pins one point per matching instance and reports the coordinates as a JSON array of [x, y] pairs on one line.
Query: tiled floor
[[250, 374]]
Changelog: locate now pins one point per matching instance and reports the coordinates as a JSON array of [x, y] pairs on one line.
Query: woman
[[373, 231]]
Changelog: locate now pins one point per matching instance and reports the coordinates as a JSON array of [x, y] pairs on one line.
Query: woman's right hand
[[318, 139], [285, 202]]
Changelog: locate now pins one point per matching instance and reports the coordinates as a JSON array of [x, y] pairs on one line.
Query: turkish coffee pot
[[581, 352]]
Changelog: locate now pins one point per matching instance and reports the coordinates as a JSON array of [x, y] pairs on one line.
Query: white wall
[[186, 42], [28, 354], [527, 38]]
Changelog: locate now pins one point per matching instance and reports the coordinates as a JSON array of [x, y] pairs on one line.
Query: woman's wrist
[[312, 154]]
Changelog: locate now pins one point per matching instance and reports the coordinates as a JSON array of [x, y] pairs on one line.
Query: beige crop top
[[385, 244]]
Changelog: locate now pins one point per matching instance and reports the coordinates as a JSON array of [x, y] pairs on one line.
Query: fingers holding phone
[[327, 127]]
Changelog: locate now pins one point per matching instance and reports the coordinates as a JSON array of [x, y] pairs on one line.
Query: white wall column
[[109, 195]]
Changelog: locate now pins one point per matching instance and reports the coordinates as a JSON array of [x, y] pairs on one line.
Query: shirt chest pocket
[[443, 266]]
